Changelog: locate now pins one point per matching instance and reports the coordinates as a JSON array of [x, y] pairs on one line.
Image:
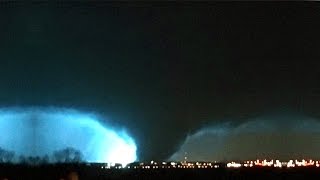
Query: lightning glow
[[41, 131]]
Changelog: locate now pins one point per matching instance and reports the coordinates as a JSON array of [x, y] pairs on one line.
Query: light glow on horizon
[[41, 131]]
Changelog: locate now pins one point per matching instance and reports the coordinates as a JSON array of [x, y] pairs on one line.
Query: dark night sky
[[162, 70]]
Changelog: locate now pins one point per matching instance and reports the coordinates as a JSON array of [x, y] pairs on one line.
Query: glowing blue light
[[41, 131]]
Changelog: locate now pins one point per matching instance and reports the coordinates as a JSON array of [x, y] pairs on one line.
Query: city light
[[271, 163], [233, 164]]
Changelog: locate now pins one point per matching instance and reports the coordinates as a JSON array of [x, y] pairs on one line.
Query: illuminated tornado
[[42, 131]]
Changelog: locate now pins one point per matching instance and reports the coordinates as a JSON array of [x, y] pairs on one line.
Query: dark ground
[[56, 172]]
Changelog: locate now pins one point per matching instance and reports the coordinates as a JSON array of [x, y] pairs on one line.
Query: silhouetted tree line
[[6, 156], [33, 160], [66, 155]]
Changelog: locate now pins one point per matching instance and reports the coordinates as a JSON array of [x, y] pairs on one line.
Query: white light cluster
[[233, 165], [248, 164], [277, 164], [304, 163], [290, 164], [263, 163]]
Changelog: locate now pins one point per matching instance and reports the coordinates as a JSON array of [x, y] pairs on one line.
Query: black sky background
[[162, 70]]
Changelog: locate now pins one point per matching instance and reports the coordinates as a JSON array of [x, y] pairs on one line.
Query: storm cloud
[[274, 136]]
